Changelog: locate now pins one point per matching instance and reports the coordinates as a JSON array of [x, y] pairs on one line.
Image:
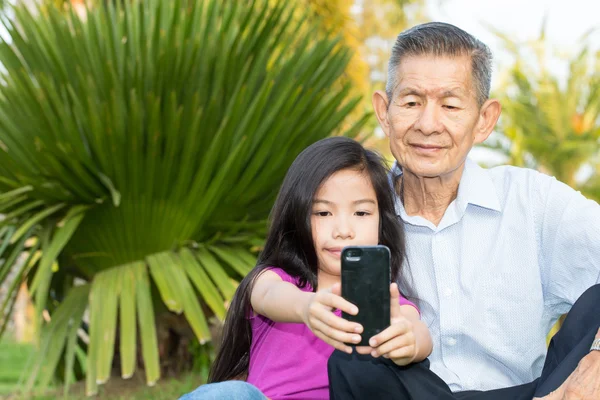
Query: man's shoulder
[[512, 172], [530, 185], [508, 177]]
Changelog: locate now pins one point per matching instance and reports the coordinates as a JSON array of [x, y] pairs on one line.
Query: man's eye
[[412, 104], [450, 107]]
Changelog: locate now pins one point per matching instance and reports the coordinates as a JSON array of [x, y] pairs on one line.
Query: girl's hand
[[398, 342], [319, 317]]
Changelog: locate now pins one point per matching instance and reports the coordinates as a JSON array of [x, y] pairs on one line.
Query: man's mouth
[[426, 148]]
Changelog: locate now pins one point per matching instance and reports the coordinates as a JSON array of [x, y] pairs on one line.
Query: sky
[[567, 20]]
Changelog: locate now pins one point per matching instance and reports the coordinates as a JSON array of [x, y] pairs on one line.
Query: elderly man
[[495, 256]]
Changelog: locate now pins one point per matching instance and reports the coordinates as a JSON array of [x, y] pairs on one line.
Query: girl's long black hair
[[289, 243]]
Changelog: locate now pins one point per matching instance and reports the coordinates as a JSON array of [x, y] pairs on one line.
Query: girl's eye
[[322, 213], [362, 213]]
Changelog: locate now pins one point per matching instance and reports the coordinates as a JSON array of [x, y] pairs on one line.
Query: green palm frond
[[141, 147]]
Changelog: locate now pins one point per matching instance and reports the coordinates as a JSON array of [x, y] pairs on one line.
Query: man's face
[[433, 118]]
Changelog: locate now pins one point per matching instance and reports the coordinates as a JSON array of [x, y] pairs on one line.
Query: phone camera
[[353, 254]]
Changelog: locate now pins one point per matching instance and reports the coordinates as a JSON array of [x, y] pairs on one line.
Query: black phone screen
[[366, 284]]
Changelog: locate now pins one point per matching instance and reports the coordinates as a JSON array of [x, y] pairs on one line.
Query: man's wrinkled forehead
[[436, 76], [438, 92]]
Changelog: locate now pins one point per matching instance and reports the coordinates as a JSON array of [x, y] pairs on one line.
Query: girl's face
[[344, 212]]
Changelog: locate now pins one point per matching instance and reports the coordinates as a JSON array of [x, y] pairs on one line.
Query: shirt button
[[451, 341], [447, 292]]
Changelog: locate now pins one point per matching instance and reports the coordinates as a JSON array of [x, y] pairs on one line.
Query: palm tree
[[552, 126], [141, 147]]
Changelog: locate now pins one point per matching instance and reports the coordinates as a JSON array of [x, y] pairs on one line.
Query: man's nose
[[429, 121]]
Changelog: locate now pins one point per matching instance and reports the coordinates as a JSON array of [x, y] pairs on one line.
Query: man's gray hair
[[441, 39]]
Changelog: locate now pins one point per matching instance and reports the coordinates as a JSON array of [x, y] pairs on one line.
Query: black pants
[[355, 376]]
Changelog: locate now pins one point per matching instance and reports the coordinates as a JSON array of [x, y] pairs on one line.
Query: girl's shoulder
[[283, 275], [287, 277]]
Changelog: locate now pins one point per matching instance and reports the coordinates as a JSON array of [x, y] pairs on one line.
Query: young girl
[[285, 318]]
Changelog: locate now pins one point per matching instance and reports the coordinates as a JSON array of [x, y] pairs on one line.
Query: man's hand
[[319, 317], [398, 342], [584, 382]]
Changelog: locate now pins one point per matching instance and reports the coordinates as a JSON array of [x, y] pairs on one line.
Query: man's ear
[[380, 105], [488, 116]]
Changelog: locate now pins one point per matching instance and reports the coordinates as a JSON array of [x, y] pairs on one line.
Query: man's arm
[[583, 383], [568, 228]]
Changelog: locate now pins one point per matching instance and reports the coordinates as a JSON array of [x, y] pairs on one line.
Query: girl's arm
[[282, 301], [277, 299]]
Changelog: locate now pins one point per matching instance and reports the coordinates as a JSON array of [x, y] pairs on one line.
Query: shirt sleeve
[[569, 242], [283, 275], [405, 302], [288, 278]]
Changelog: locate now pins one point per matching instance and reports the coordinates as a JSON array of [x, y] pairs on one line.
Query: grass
[[13, 361], [132, 389]]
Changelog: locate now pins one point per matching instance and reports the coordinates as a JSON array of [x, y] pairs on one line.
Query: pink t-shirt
[[287, 361]]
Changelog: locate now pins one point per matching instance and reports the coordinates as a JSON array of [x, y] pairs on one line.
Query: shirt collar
[[476, 187]]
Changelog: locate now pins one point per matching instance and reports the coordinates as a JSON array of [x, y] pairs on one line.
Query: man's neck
[[428, 197]]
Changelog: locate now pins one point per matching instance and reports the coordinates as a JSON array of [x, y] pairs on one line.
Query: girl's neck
[[325, 280]]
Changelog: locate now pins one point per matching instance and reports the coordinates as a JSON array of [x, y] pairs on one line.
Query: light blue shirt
[[512, 252]]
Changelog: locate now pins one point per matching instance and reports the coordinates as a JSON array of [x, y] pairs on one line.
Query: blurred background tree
[[369, 28], [548, 123]]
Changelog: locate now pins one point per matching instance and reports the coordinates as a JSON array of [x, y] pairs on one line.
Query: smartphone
[[366, 284]]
